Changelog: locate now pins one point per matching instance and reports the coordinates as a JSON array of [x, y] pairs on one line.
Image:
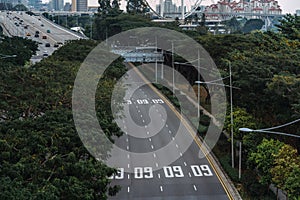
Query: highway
[[15, 24], [189, 177]]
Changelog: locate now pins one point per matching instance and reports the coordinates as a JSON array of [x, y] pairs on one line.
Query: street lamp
[[269, 130], [231, 106], [248, 130], [7, 56], [265, 130]]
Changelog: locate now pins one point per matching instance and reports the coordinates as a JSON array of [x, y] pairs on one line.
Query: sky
[[287, 6]]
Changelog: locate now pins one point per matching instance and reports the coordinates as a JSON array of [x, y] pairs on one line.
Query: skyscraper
[[79, 5], [56, 5]]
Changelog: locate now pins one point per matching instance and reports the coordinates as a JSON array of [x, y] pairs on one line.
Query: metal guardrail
[[66, 29]]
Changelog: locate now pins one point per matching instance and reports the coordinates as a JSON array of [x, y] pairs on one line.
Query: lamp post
[[91, 24], [231, 116], [7, 56], [248, 130], [231, 107], [199, 89], [265, 130], [155, 59], [173, 71]]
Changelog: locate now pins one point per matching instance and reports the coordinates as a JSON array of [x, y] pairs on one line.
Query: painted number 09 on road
[[168, 172]]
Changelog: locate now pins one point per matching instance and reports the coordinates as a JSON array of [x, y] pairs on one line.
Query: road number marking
[[145, 172], [174, 171], [169, 172], [201, 170], [143, 101]]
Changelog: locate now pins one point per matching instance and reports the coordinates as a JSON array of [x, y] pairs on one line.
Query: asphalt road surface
[[15, 23], [188, 177]]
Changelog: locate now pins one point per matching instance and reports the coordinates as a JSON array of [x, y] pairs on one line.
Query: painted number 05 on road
[[168, 171]]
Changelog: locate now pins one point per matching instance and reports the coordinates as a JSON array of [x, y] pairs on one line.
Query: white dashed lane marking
[[195, 188], [161, 188], [128, 189], [158, 175], [184, 163]]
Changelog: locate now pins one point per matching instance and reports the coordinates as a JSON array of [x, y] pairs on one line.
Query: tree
[[108, 8], [290, 26], [287, 86], [234, 25], [22, 48], [136, 7], [104, 7], [116, 5], [286, 166], [202, 29], [240, 119], [264, 158], [43, 158], [41, 154], [20, 7], [292, 184], [109, 26], [253, 24]]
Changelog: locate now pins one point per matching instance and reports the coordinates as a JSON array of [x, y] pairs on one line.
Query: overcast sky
[[287, 6]]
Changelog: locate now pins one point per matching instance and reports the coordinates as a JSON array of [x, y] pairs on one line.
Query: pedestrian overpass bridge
[[147, 54]]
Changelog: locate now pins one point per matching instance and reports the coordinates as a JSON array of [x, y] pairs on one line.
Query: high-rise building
[[158, 8], [35, 4], [67, 7], [10, 2], [169, 7], [58, 5], [79, 5], [180, 9], [73, 6]]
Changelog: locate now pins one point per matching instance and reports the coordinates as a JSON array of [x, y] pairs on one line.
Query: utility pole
[[231, 117], [182, 10], [199, 76], [173, 66]]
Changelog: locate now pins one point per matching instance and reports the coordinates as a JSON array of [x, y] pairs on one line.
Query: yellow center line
[[187, 125]]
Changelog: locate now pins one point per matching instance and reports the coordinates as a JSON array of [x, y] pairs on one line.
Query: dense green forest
[[42, 156]]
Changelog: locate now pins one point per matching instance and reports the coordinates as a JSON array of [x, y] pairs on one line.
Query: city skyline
[[287, 6]]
